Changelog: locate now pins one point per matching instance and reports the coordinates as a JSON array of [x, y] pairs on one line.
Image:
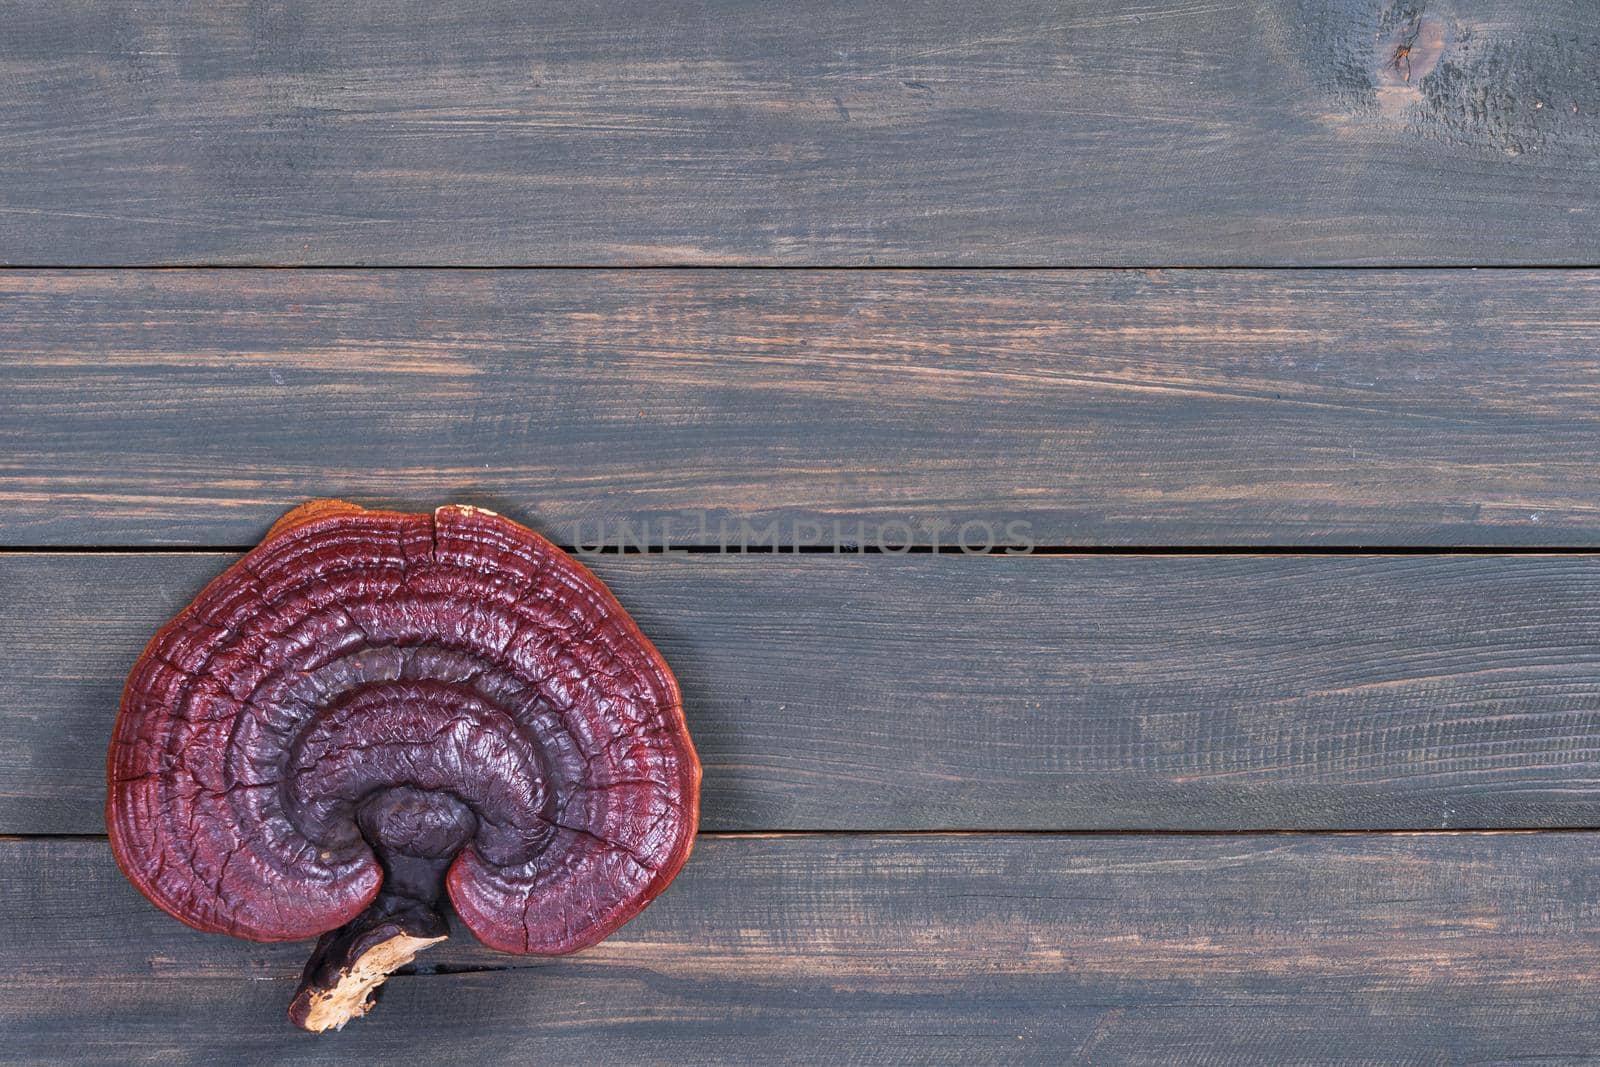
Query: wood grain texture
[[995, 692], [826, 132], [1427, 949], [1112, 408]]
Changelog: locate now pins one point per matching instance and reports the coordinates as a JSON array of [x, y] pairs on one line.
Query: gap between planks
[[876, 268], [910, 550], [1496, 831]]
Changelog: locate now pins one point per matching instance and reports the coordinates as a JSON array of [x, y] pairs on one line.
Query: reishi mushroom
[[373, 709]]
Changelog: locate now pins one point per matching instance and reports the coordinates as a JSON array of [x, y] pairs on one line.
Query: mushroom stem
[[350, 963]]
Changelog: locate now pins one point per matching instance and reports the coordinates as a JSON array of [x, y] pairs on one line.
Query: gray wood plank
[[983, 948], [994, 692], [1113, 408], [825, 132]]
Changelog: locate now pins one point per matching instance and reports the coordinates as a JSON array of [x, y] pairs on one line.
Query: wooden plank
[[1114, 408], [1144, 949], [995, 692], [825, 132]]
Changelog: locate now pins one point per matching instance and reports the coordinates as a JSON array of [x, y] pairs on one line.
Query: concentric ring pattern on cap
[[457, 656]]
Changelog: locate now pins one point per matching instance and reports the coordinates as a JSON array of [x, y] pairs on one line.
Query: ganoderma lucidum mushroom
[[372, 709]]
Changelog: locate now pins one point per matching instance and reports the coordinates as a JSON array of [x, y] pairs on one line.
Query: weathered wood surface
[[994, 692], [862, 693], [823, 132], [1116, 408], [967, 949]]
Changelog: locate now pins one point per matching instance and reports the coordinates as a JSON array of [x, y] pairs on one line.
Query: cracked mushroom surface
[[371, 710]]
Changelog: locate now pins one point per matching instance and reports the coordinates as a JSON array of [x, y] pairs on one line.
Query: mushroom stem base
[[350, 963], [350, 995]]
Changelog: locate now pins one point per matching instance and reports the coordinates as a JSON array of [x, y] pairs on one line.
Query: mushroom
[[372, 709]]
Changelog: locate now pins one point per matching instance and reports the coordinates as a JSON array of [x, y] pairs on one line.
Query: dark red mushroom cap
[[372, 697]]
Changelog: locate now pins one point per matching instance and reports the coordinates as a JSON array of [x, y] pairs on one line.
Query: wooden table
[[1281, 745]]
